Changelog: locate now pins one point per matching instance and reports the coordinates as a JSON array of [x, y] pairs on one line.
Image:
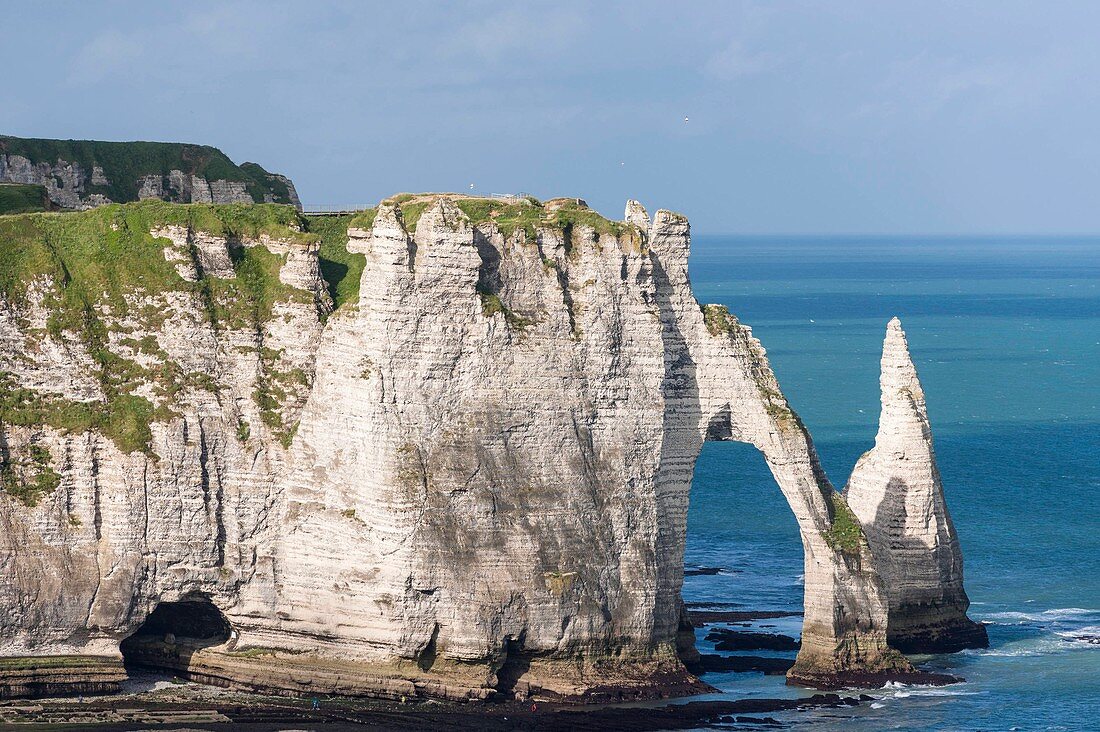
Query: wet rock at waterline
[[726, 639]]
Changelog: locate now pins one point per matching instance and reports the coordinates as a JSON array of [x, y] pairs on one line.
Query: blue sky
[[803, 117]]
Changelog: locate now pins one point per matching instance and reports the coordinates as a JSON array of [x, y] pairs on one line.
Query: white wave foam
[[1054, 615], [902, 691], [1087, 635], [942, 691]]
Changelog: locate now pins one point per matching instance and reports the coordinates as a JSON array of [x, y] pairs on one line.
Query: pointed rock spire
[[896, 492], [637, 215], [670, 240]]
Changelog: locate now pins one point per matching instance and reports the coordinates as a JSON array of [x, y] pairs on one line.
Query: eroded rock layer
[[472, 480]]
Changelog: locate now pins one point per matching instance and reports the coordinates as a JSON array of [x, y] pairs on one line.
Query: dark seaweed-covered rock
[[726, 639], [767, 666]]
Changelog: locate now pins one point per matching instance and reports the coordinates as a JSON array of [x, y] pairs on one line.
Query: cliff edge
[[459, 468]]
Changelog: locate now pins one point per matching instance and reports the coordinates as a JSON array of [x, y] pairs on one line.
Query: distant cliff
[[439, 448], [23, 198], [85, 173]]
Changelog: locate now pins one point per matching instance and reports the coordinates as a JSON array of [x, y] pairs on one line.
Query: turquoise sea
[[1005, 333]]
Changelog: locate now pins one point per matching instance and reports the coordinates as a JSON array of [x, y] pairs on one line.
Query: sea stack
[[466, 478], [896, 492]]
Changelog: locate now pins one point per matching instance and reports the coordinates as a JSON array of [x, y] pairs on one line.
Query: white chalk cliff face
[[473, 481], [896, 492]]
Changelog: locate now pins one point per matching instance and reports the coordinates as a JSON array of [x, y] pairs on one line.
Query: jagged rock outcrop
[[636, 215], [472, 481], [896, 492], [79, 174]]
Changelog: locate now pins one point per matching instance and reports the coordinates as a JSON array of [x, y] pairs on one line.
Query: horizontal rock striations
[[469, 480], [896, 492], [80, 174]]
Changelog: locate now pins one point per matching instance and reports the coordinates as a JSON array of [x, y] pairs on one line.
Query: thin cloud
[[736, 61], [106, 55]]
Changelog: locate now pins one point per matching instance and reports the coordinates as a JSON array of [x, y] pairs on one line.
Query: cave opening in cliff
[[516, 662], [173, 632], [744, 554]]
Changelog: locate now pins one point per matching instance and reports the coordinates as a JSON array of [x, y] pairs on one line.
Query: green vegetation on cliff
[[845, 533], [531, 214], [718, 319], [262, 184], [94, 268], [528, 214], [491, 304], [124, 164], [340, 268], [28, 479], [18, 198]]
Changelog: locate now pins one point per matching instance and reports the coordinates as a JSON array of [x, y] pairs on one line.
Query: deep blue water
[[1005, 333]]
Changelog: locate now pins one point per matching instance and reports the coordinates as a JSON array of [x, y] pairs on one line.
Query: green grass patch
[[718, 319], [363, 219], [254, 652], [29, 479], [574, 215], [411, 213], [531, 215], [509, 217], [99, 262], [340, 268], [491, 305], [18, 198], [845, 533], [124, 418], [262, 184]]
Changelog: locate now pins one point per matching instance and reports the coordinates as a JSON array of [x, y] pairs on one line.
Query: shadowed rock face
[[896, 491], [476, 480]]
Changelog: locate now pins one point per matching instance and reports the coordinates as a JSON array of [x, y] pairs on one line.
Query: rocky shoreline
[[223, 711], [725, 638]]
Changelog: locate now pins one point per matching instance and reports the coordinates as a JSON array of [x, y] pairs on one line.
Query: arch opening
[[743, 564], [172, 634]]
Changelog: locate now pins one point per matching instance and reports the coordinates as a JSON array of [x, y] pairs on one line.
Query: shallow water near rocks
[[1005, 333]]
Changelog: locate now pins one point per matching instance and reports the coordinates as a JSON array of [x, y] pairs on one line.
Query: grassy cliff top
[[95, 234], [19, 198], [109, 251], [124, 164], [509, 214]]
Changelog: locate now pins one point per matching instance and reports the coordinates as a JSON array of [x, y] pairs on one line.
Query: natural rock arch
[[487, 458], [719, 386]]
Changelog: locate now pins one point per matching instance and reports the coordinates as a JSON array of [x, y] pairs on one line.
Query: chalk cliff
[[79, 174], [896, 492], [471, 481]]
